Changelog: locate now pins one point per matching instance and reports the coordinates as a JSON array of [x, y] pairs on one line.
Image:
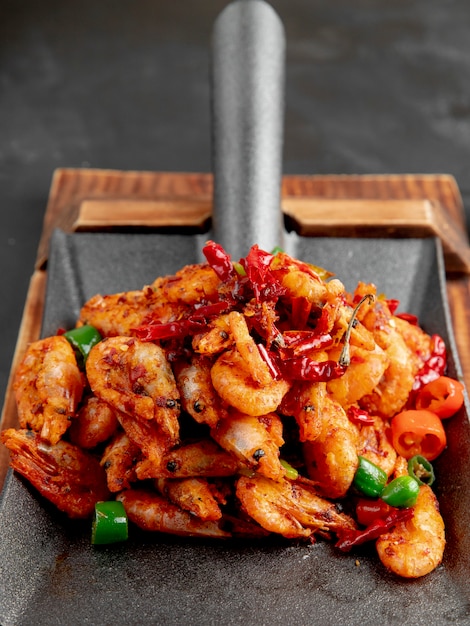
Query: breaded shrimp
[[48, 386], [71, 478]]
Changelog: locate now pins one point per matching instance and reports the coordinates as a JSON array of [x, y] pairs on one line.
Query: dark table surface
[[373, 87]]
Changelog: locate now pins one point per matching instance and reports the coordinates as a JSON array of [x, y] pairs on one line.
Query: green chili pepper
[[276, 250], [369, 478], [401, 492], [421, 470], [291, 472], [109, 524], [83, 339]]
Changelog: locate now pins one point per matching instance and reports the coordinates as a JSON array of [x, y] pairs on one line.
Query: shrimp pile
[[229, 400]]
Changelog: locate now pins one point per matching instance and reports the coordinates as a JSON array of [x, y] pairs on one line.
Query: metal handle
[[248, 61]]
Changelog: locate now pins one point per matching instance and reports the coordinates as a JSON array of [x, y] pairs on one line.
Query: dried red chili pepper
[[350, 538], [269, 360], [392, 305], [263, 281], [301, 309], [219, 260], [195, 322], [297, 342], [408, 317]]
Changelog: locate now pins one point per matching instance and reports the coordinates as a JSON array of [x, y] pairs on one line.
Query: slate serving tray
[[50, 574]]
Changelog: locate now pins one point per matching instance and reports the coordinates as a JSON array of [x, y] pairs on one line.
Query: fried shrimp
[[198, 396], [119, 461], [191, 284], [135, 378], [290, 509], [95, 423], [236, 386], [199, 458], [119, 314], [152, 512], [48, 386], [254, 441], [415, 547], [68, 476], [248, 350], [239, 399], [195, 495], [374, 445], [331, 459]]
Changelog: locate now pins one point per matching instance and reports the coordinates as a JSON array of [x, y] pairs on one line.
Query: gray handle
[[248, 61]]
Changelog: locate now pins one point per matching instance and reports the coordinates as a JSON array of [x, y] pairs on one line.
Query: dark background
[[372, 87]]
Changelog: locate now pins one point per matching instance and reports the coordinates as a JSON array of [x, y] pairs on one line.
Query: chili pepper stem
[[344, 357]]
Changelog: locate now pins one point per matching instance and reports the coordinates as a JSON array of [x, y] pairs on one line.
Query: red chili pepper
[[350, 538], [359, 416], [418, 432], [368, 511], [219, 260], [393, 305], [194, 323], [297, 342], [263, 281], [443, 396], [304, 368], [408, 317], [269, 360], [301, 309]]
